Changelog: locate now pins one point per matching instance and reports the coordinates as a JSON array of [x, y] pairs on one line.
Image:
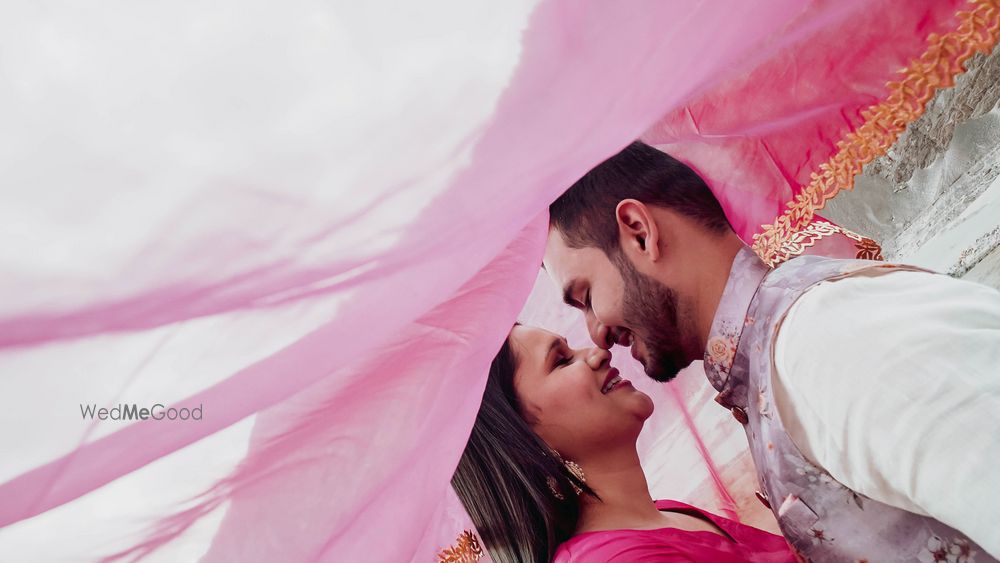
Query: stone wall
[[934, 199]]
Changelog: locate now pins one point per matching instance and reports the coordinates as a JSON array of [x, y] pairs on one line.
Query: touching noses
[[597, 358], [599, 333]]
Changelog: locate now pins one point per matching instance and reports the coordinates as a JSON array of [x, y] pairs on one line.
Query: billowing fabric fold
[[320, 221]]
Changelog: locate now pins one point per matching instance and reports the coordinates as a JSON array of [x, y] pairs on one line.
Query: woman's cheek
[[569, 399]]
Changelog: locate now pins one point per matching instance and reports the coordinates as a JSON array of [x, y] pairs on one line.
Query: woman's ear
[[638, 233]]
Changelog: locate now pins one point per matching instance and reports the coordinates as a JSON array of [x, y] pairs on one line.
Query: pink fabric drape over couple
[[331, 216]]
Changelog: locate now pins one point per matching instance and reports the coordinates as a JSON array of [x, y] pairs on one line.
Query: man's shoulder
[[810, 270], [901, 301]]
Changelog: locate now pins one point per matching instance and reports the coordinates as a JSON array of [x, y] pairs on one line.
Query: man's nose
[[597, 357], [599, 333]]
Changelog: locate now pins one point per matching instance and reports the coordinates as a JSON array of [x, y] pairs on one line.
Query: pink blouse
[[744, 543]]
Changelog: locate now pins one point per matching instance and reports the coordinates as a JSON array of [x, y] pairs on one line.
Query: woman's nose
[[597, 357]]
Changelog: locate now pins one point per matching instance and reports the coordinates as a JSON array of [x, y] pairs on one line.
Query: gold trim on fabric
[[882, 123], [802, 239], [465, 550]]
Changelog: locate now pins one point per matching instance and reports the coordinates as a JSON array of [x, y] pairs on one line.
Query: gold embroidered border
[[937, 67], [465, 550], [802, 239]]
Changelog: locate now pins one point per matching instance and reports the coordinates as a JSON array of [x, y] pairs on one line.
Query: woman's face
[[574, 399]]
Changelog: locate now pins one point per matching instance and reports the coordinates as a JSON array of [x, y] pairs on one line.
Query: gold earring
[[554, 487], [574, 469], [577, 472]]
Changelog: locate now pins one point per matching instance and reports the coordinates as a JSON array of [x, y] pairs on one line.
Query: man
[[870, 393]]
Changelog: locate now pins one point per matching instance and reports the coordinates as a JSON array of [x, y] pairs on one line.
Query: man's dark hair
[[585, 214]]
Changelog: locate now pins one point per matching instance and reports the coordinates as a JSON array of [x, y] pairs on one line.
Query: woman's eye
[[587, 299], [563, 360]]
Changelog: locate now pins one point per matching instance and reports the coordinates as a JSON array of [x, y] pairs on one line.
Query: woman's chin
[[643, 404], [646, 407]]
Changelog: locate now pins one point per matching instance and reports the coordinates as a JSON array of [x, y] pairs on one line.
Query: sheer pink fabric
[[329, 215], [793, 108]]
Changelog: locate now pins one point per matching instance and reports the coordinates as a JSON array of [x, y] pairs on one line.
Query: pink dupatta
[[318, 225]]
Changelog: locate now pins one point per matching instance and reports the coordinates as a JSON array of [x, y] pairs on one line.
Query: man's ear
[[638, 232]]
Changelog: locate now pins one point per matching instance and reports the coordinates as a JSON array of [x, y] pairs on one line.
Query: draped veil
[[317, 223]]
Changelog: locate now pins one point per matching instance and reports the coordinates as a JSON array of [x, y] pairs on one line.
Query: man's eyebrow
[[568, 293]]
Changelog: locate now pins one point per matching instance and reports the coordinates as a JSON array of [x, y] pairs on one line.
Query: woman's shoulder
[[660, 545], [618, 546], [675, 545]]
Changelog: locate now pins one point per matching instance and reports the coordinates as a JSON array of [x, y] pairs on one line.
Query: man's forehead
[[564, 263]]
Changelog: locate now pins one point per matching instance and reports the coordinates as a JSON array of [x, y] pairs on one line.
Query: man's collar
[[744, 278]]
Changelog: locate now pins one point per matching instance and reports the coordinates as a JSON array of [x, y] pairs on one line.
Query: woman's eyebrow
[[552, 347], [556, 343]]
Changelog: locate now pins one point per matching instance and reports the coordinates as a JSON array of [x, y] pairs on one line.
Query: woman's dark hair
[[504, 476]]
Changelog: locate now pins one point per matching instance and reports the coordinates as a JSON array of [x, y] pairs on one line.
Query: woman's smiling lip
[[611, 380], [620, 384]]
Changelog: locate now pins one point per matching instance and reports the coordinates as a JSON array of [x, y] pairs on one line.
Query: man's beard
[[651, 307]]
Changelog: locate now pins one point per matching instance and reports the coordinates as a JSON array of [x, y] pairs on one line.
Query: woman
[[551, 471]]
